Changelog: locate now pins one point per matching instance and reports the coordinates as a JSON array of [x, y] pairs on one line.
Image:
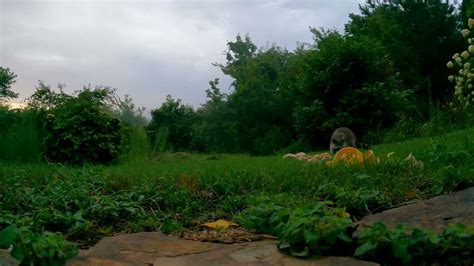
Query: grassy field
[[179, 190]]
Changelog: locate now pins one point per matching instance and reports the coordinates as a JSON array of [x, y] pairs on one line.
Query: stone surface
[[255, 253], [6, 259], [138, 249], [434, 214], [159, 249]]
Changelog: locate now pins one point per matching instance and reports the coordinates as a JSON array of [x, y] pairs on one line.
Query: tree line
[[387, 66]]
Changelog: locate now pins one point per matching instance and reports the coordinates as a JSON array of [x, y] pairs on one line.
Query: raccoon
[[340, 138]]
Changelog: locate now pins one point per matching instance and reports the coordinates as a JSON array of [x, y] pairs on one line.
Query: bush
[[80, 130], [37, 249], [171, 127], [347, 81]]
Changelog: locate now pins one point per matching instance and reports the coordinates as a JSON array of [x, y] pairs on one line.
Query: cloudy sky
[[146, 48]]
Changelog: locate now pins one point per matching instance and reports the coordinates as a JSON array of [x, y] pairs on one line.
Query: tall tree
[[7, 78], [420, 36], [260, 102], [172, 124], [467, 11], [215, 127], [346, 81]]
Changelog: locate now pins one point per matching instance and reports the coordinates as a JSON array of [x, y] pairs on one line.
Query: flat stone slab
[[139, 249], [434, 214], [158, 249], [6, 259]]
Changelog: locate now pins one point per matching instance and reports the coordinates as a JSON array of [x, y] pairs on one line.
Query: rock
[[6, 259], [159, 249], [254, 253], [138, 249], [434, 214]]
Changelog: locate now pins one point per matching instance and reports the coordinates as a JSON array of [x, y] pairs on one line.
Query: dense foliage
[[170, 128], [319, 229], [20, 135], [37, 249], [347, 81], [419, 36], [7, 78], [79, 128], [387, 69]]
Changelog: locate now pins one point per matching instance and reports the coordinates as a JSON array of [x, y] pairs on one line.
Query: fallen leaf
[[220, 224]]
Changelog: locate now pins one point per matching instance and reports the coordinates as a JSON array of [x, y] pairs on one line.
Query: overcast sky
[[147, 49]]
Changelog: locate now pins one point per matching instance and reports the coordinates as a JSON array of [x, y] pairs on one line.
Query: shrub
[[347, 81], [171, 127], [37, 249], [80, 130]]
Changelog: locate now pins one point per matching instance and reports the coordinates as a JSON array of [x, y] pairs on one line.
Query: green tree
[[128, 113], [172, 124], [45, 98], [466, 12], [420, 37], [346, 81], [7, 78], [214, 127], [260, 104]]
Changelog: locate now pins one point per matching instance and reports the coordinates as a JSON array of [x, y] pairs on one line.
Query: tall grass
[[442, 121], [138, 146], [19, 136]]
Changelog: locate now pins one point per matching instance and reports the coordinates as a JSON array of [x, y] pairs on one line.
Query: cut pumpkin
[[349, 154], [369, 157]]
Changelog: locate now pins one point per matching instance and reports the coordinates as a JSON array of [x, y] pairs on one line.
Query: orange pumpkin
[[349, 154]]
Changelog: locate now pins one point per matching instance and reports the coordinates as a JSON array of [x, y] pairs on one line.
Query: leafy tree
[[466, 12], [260, 104], [128, 113], [346, 81], [171, 125], [420, 36], [7, 78], [44, 98], [238, 53], [214, 127]]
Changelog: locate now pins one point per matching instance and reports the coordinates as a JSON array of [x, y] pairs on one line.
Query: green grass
[[19, 137], [454, 141], [174, 190]]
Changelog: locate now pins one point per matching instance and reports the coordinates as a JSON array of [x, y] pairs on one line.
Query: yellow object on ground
[[349, 155], [370, 158], [220, 224]]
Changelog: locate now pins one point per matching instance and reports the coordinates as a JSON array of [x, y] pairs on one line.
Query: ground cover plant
[[172, 191], [76, 168]]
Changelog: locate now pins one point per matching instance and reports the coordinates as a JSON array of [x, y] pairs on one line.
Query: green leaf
[[366, 247], [311, 237], [19, 253], [344, 237], [8, 236], [400, 251]]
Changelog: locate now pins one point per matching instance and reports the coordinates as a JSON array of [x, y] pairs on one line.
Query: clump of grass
[[20, 136]]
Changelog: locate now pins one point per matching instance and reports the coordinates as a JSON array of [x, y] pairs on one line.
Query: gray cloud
[[147, 49]]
